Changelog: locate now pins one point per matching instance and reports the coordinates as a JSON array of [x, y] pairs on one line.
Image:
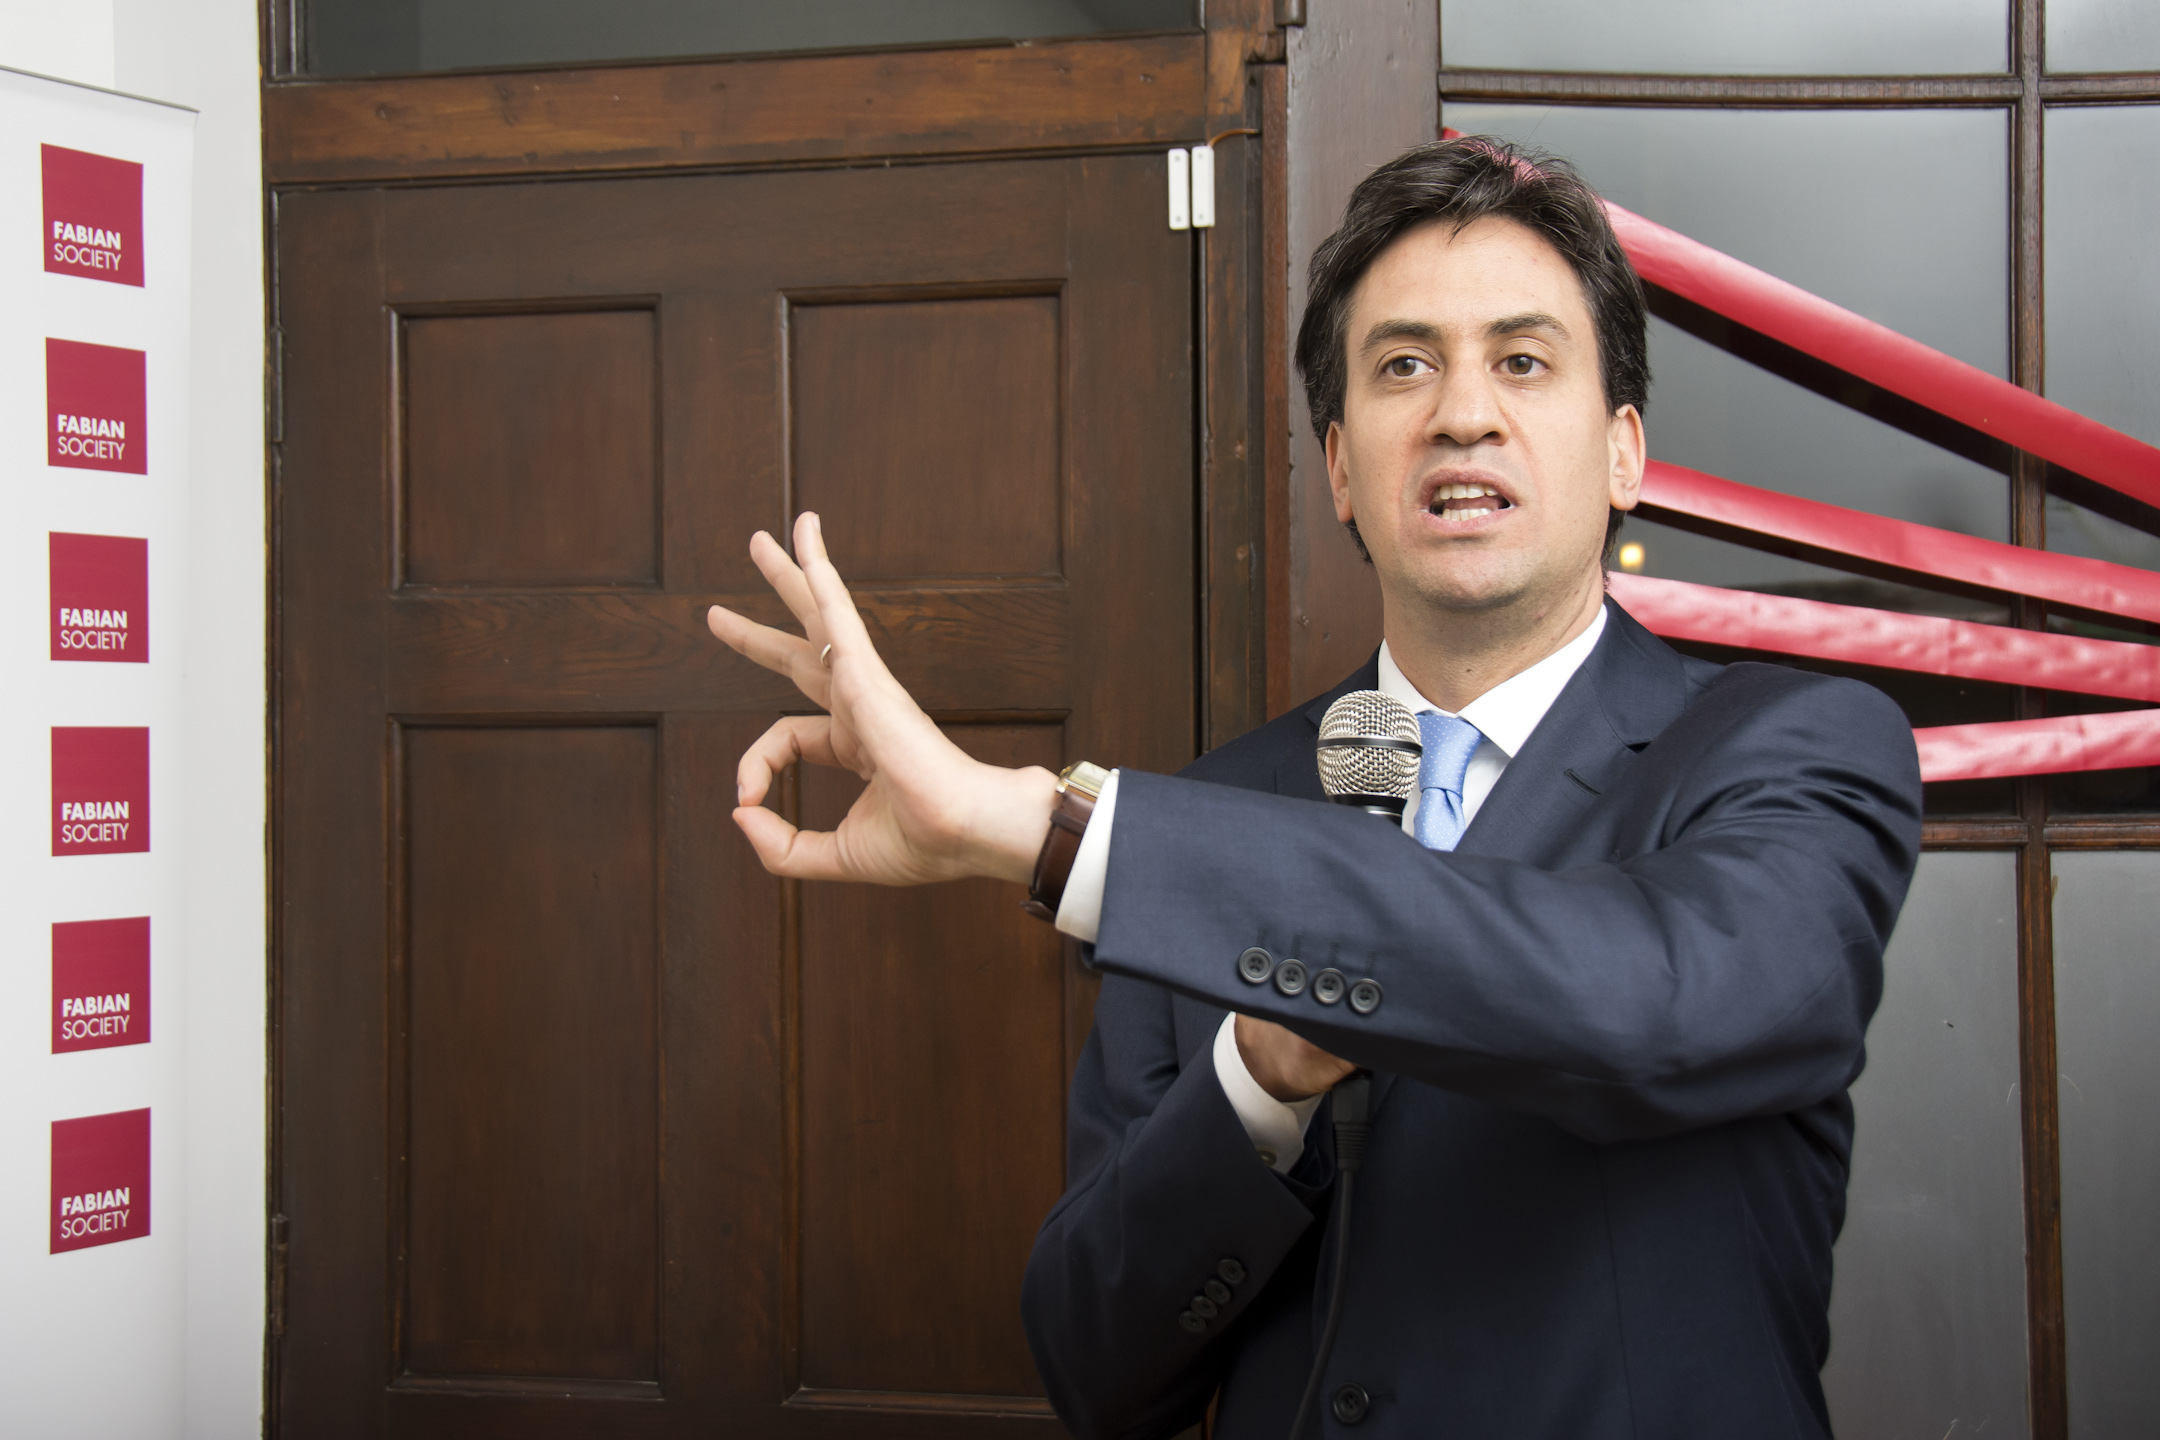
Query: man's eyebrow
[[1529, 320], [1387, 330]]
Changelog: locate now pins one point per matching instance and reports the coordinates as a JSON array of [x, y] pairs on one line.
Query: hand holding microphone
[[1368, 756]]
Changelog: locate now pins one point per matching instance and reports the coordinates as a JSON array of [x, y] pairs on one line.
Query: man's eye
[[1520, 365], [1403, 367]]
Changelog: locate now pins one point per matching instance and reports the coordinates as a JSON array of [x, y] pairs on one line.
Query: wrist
[[1257, 1065], [1011, 816]]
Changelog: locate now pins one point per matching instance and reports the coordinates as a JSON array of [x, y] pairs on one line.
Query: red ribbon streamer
[[1931, 645], [2015, 569], [1922, 644], [2040, 747]]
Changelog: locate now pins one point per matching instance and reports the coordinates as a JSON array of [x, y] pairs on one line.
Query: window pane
[[353, 37], [1791, 37], [2107, 1007], [1927, 1316], [2103, 304], [2102, 35], [2074, 530]]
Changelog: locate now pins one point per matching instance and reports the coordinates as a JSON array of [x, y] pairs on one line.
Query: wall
[[203, 54], [73, 41]]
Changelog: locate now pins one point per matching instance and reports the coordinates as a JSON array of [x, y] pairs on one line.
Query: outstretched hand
[[928, 811]]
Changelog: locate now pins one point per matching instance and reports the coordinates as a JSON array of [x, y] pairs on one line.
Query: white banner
[[94, 282]]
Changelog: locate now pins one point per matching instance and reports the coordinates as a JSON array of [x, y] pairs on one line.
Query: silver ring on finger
[[824, 656]]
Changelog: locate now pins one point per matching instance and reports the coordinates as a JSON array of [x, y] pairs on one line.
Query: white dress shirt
[[1504, 715]]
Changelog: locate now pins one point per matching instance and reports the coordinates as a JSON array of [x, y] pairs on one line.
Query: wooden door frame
[[836, 110]]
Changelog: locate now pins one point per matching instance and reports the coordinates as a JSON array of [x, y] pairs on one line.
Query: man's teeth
[[1446, 494]]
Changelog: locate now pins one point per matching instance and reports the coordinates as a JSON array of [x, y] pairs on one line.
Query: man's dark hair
[[1458, 182]]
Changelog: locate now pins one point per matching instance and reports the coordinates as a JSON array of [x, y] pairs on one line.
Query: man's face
[[1476, 452]]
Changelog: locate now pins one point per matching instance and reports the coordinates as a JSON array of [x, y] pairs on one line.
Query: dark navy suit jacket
[[1616, 1029]]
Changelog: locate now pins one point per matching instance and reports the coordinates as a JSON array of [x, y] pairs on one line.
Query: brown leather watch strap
[[1068, 824]]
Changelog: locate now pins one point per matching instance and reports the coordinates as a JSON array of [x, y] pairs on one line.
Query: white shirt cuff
[[1080, 908], [1276, 1129]]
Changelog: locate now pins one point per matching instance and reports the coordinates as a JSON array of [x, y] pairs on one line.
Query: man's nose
[[1466, 411]]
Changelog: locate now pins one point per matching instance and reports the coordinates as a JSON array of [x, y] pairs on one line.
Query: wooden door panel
[[928, 433], [917, 1217], [530, 449], [670, 1145], [731, 270], [532, 1082]]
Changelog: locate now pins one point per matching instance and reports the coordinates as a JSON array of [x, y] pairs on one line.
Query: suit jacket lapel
[[1632, 686], [1616, 702]]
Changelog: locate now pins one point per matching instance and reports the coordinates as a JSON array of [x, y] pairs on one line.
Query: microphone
[[1369, 753]]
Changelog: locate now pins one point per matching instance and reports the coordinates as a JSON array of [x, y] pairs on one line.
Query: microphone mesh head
[[1360, 741]]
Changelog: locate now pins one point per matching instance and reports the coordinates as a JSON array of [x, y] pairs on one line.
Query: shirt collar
[[1507, 713]]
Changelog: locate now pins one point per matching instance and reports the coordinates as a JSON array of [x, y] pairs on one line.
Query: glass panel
[[1927, 1317], [2074, 530], [2103, 306], [2085, 35], [1763, 37], [2107, 1007], [355, 37], [2103, 288]]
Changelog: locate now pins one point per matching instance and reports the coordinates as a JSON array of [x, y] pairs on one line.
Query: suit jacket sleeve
[[1722, 963], [1164, 1187]]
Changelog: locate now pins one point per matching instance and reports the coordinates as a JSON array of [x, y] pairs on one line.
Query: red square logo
[[93, 216], [100, 597], [100, 984], [100, 1180], [100, 790], [95, 405]]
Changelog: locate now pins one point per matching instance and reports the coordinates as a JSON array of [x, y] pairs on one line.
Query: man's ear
[[1627, 452], [1338, 472]]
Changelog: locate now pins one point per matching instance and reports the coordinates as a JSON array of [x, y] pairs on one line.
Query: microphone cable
[[1351, 1104], [1368, 756]]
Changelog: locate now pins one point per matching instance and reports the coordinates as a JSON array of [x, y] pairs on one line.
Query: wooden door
[[587, 1125]]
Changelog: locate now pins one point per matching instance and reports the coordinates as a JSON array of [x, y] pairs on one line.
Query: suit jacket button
[[1190, 1323], [1365, 996], [1328, 986], [1203, 1307], [1231, 1272], [1350, 1404], [1290, 977], [1216, 1291], [1255, 965]]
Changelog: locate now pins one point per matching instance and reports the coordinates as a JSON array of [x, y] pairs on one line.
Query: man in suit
[[1611, 976]]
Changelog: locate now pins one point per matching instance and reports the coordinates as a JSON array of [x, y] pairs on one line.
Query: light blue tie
[[1449, 743]]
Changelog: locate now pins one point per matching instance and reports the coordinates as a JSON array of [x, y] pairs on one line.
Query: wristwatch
[[1079, 785]]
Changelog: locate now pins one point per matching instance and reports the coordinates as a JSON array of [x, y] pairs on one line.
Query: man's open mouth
[[1466, 501]]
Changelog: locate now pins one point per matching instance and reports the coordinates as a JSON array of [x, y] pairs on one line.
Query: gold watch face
[[1085, 776]]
